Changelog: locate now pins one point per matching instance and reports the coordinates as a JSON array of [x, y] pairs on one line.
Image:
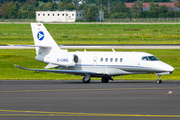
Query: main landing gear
[[159, 79], [84, 80], [106, 79]]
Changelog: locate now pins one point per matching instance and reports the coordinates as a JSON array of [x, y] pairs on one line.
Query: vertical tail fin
[[46, 46], [42, 37]]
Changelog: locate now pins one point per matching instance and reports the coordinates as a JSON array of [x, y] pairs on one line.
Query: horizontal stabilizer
[[50, 65], [34, 46]]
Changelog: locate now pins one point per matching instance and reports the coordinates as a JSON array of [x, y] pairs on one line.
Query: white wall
[[59, 16]]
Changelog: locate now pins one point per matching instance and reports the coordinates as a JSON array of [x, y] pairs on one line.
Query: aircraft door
[[95, 60]]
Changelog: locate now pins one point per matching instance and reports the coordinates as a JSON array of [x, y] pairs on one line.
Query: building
[[59, 16], [63, 16]]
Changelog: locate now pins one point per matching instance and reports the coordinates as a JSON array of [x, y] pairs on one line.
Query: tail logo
[[40, 35]]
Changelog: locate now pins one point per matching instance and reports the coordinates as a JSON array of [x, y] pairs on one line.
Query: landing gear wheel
[[159, 81], [105, 80], [83, 80]]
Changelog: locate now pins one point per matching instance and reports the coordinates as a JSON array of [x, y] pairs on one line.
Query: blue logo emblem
[[40, 35]]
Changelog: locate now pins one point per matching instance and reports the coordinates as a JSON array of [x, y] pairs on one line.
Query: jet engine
[[63, 60], [68, 60]]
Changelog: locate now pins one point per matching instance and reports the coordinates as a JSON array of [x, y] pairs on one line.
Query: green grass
[[86, 34], [95, 33], [26, 58]]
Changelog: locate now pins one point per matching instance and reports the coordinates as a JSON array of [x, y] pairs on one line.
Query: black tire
[[159, 81], [86, 81], [104, 80]]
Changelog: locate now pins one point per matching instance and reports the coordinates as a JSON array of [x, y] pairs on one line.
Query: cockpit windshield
[[149, 58]]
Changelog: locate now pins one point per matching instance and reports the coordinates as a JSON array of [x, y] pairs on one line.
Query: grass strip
[[95, 33]]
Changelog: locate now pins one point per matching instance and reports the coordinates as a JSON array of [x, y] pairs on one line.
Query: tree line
[[22, 9]]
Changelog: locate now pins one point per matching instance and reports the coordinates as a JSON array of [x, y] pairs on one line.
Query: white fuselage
[[111, 63]]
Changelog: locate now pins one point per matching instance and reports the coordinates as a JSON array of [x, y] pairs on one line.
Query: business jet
[[92, 64]]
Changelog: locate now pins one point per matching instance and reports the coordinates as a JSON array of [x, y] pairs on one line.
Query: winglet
[[19, 66], [16, 65]]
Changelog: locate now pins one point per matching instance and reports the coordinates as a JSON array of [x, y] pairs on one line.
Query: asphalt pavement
[[74, 100]]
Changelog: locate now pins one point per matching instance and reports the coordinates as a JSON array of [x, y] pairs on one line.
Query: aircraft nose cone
[[169, 68], [164, 67]]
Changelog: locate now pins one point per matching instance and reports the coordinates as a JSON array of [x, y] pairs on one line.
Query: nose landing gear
[[159, 79]]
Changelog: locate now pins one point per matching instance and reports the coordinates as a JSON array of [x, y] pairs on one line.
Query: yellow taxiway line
[[45, 113]]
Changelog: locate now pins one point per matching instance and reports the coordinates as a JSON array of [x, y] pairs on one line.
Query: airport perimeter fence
[[142, 20], [109, 20], [17, 20]]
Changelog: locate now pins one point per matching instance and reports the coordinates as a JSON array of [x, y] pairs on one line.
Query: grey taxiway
[[137, 100]]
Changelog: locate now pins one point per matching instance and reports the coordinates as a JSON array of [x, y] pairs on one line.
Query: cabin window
[[72, 14], [149, 58], [111, 59], [57, 14], [152, 58], [62, 14], [43, 14], [121, 60], [101, 59], [116, 60], [145, 58], [38, 14], [48, 14], [106, 60]]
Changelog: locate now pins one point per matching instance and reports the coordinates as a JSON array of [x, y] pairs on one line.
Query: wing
[[74, 72]]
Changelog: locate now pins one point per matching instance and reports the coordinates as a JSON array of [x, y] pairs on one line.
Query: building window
[[43, 14], [72, 14], [62, 14], [38, 14]]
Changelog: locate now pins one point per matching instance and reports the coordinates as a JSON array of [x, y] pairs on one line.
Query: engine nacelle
[[65, 60]]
